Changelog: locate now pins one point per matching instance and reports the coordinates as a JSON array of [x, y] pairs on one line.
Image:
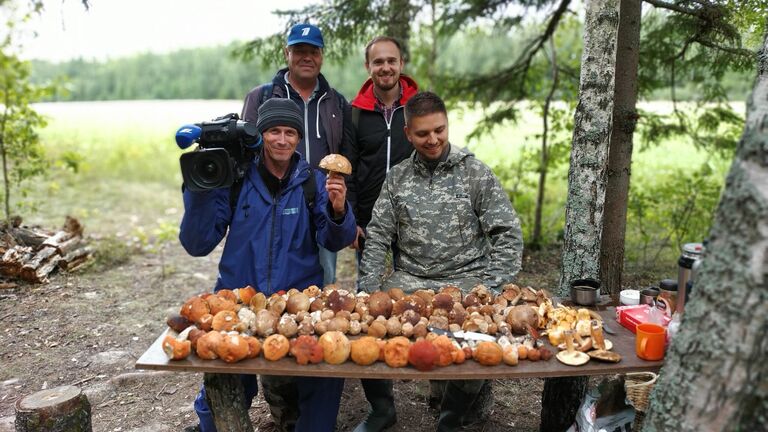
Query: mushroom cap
[[603, 355], [336, 163], [365, 351], [572, 358]]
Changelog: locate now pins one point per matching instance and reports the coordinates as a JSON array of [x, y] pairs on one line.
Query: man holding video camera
[[322, 107], [272, 235]]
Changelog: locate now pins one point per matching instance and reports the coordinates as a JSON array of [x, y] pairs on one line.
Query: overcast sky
[[115, 28]]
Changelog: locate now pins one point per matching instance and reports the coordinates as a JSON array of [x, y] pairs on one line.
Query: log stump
[[226, 400], [60, 409]]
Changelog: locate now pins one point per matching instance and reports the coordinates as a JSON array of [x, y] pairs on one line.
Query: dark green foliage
[[202, 73]]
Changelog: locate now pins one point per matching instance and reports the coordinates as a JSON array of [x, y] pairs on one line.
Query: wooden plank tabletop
[[623, 343]]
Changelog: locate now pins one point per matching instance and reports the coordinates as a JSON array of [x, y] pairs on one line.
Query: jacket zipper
[[271, 244], [388, 121]]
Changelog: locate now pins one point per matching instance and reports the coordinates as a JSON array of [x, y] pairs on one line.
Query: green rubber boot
[[382, 399]]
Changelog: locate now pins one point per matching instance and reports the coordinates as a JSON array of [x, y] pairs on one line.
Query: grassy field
[[127, 183]]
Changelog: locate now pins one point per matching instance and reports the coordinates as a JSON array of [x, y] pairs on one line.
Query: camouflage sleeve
[[500, 223], [381, 232]]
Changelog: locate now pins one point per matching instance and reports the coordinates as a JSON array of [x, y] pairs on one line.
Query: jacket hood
[[279, 81], [366, 100]]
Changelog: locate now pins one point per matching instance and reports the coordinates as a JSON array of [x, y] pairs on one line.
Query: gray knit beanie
[[280, 112]]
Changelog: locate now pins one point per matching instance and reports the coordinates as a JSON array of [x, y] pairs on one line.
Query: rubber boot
[[460, 398], [381, 396]]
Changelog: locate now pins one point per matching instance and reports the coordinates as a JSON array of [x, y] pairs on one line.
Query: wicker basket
[[638, 386]]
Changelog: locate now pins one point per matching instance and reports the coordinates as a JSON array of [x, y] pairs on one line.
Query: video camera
[[225, 148]]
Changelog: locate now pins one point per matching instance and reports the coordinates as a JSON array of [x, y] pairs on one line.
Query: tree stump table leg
[[560, 402], [226, 400], [60, 409]]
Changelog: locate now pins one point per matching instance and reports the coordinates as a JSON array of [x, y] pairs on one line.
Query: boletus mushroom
[[179, 347], [336, 165]]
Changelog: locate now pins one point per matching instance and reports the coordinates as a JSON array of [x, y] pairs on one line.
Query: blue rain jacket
[[271, 244]]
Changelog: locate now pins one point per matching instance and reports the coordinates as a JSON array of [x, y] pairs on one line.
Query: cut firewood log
[[58, 409], [41, 256], [75, 258], [13, 259], [69, 245], [40, 274], [28, 236], [56, 239]]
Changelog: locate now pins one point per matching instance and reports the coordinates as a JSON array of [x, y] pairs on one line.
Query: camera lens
[[207, 169]]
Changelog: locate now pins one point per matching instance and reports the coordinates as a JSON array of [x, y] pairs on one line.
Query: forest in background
[[216, 73]]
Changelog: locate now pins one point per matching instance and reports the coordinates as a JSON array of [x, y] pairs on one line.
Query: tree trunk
[[591, 138], [399, 24], [715, 372], [226, 399], [586, 186], [560, 402], [620, 153], [60, 409]]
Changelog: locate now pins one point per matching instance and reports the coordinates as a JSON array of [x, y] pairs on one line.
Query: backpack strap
[[266, 92], [310, 189]]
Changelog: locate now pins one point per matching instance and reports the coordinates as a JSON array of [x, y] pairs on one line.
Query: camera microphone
[[187, 135]]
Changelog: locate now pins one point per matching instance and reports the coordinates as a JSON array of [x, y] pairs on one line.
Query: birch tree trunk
[[715, 376], [620, 153], [586, 186], [591, 139]]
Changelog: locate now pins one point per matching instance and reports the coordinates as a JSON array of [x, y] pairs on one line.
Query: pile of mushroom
[[314, 324]]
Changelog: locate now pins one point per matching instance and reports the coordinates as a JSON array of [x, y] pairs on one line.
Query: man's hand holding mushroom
[[337, 166]]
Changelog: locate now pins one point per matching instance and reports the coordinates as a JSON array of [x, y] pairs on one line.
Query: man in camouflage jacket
[[448, 221]]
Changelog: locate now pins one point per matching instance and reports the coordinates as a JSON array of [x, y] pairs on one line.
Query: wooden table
[[225, 386]]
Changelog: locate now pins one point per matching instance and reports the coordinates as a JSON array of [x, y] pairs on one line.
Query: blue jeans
[[328, 263], [318, 403]]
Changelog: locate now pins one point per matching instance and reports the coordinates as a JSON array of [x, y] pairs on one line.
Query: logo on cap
[[305, 33]]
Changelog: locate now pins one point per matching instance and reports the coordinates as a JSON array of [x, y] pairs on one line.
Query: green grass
[[128, 178]]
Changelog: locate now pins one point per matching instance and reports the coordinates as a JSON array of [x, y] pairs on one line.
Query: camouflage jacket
[[456, 223]]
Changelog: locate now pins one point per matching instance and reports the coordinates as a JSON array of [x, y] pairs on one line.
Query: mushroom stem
[[597, 335]]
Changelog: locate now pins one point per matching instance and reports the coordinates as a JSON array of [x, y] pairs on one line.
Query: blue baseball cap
[[305, 33]]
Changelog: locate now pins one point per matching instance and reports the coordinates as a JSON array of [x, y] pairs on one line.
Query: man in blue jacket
[[322, 107], [272, 235]]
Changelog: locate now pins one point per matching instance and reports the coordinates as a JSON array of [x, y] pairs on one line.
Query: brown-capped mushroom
[[336, 347], [245, 294], [312, 291], [335, 164], [276, 303], [179, 347], [232, 348], [225, 321], [194, 309], [453, 291], [287, 326], [266, 323], [275, 347], [365, 351], [299, 302], [380, 303], [339, 324], [396, 293], [604, 355], [178, 323], [207, 344], [258, 302]]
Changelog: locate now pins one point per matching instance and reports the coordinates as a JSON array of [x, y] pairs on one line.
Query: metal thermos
[[689, 262]]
